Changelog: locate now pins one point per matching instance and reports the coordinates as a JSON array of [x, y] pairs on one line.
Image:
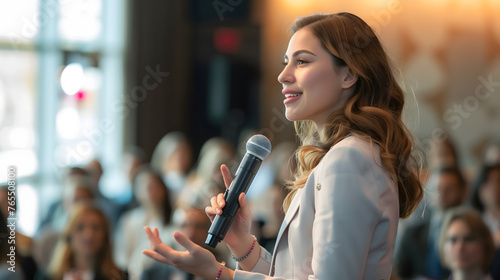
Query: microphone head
[[259, 146]]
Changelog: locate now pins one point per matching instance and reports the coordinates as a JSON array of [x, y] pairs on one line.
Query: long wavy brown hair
[[63, 258], [373, 111]]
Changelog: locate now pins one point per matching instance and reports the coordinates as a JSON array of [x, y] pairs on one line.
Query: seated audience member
[[84, 251], [195, 225], [154, 210], [444, 154], [14, 264], [441, 153], [466, 246], [110, 208], [417, 252], [172, 159], [76, 188], [486, 198], [133, 158]]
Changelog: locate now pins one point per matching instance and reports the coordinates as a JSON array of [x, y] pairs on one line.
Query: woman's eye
[[300, 61], [285, 63]]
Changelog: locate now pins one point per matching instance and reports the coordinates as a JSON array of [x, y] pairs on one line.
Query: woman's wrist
[[221, 272], [248, 251], [242, 258], [243, 247]]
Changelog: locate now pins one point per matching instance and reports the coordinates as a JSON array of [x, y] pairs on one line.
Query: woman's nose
[[286, 76]]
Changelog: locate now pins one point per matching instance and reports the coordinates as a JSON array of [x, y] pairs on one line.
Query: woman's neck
[[153, 212], [468, 274]]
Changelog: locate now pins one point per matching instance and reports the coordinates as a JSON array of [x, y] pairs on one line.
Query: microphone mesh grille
[[259, 146]]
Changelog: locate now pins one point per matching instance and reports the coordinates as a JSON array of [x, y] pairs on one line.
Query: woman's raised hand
[[239, 232]]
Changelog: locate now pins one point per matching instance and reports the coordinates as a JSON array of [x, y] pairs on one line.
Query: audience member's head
[[151, 192], [451, 187], [134, 157], [443, 154], [214, 152], [172, 154], [77, 187], [95, 172], [486, 192], [195, 225], [466, 245], [85, 246]]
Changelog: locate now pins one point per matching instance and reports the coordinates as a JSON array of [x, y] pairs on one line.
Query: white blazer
[[341, 225]]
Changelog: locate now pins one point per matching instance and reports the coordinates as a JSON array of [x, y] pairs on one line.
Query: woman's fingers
[[210, 213], [215, 205], [155, 256], [156, 233], [221, 202], [185, 241], [155, 242], [151, 236], [226, 175], [162, 252], [244, 208]]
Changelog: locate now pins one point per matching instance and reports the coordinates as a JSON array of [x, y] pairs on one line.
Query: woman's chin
[[291, 116]]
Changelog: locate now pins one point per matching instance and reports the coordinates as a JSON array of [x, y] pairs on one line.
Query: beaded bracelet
[[248, 254], [220, 271]]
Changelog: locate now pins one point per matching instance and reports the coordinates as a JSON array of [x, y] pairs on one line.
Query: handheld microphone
[[258, 148]]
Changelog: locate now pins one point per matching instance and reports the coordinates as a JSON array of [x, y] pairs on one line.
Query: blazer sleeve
[[263, 264], [346, 205], [347, 212]]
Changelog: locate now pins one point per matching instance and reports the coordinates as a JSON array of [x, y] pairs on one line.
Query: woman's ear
[[350, 78]]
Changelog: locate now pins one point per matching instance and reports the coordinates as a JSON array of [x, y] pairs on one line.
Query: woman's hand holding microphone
[[238, 237], [201, 262]]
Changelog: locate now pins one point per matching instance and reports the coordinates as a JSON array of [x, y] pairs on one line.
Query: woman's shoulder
[[354, 149]]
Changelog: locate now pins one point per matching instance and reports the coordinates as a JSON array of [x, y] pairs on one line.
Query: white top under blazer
[[341, 225]]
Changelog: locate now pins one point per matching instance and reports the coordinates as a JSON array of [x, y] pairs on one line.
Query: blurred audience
[[205, 180], [108, 206], [154, 210], [84, 251], [444, 154], [172, 159], [133, 158], [76, 187], [166, 196], [486, 198], [416, 254], [466, 246]]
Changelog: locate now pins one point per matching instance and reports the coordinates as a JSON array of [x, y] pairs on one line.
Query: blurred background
[[100, 85]]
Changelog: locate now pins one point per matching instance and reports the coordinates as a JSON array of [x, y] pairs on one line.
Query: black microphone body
[[242, 181]]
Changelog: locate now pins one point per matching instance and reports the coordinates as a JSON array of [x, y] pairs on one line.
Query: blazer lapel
[[292, 210]]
